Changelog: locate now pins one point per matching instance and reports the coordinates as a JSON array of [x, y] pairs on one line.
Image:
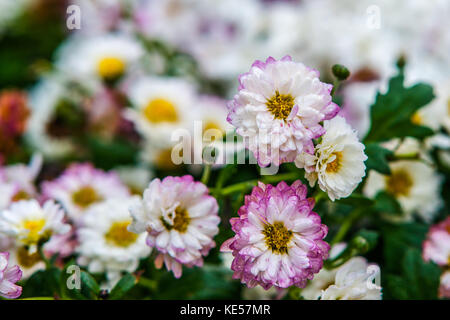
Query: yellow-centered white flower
[[414, 184], [32, 224], [106, 245], [338, 161]]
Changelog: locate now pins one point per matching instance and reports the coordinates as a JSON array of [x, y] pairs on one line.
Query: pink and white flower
[[82, 185], [436, 248], [278, 109], [8, 278], [278, 239], [437, 245], [181, 220]]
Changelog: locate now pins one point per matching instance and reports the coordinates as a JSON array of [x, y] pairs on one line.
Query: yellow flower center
[[164, 159], [86, 196], [416, 119], [27, 260], [277, 237], [280, 105], [160, 110], [34, 229], [119, 235], [448, 106], [211, 125], [20, 195], [336, 164], [180, 222], [110, 68], [399, 183]]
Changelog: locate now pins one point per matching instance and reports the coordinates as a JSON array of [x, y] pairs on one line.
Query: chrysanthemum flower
[[161, 105], [106, 245], [181, 221], [338, 162], [278, 109], [8, 278], [80, 186], [414, 184], [436, 248], [17, 181], [437, 245], [278, 239], [32, 224], [105, 57], [444, 288], [353, 281]]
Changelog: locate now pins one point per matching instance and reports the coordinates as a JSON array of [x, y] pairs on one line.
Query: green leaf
[[126, 283], [42, 283], [418, 280], [392, 112], [377, 158], [386, 203], [90, 284]]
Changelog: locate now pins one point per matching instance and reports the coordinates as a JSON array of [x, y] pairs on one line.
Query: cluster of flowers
[[130, 74]]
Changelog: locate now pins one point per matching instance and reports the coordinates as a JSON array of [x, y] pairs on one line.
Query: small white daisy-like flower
[[413, 183], [161, 105], [338, 162], [106, 245], [135, 178], [278, 109], [354, 281], [180, 219], [45, 100], [104, 57], [80, 186], [32, 224]]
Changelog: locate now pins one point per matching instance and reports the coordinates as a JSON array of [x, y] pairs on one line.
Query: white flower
[[136, 178], [354, 281], [180, 219], [45, 99], [82, 185], [106, 245], [105, 57], [414, 184], [161, 105], [31, 224], [278, 109], [338, 163], [324, 278]]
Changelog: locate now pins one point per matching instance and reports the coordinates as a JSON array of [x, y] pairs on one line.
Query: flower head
[[161, 106], [338, 160], [278, 109], [278, 239], [8, 278], [353, 282], [80, 186], [104, 57], [32, 224], [413, 183], [436, 247], [105, 242], [180, 219]]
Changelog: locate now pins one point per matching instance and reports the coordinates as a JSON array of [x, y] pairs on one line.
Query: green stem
[[38, 298], [148, 283], [47, 262], [346, 225], [242, 186], [206, 174]]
